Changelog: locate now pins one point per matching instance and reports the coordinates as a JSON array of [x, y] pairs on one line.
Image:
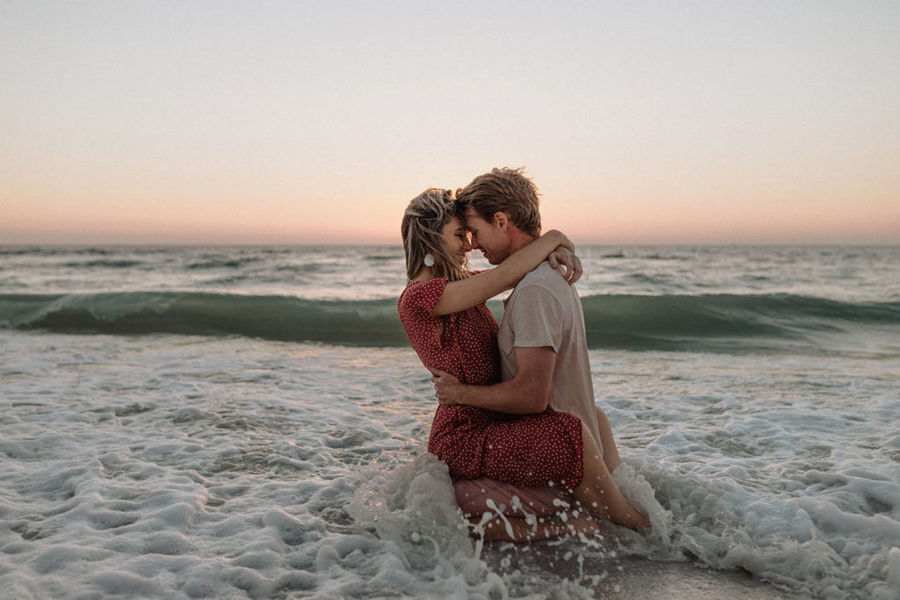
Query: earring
[[429, 260]]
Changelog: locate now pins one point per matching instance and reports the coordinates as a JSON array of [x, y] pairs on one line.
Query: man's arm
[[528, 392]]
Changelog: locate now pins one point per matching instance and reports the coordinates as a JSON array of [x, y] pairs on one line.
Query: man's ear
[[501, 219]]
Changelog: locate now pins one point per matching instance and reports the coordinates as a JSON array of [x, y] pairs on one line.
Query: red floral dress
[[525, 450]]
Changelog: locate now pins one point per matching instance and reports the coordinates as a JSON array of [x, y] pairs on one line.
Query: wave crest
[[714, 322]]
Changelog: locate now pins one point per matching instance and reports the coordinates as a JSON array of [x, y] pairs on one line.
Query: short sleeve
[[415, 306], [537, 319], [422, 296]]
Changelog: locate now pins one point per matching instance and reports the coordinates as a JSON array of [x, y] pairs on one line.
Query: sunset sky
[[316, 122]]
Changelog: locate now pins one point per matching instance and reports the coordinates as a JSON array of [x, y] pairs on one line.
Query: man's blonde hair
[[504, 190]]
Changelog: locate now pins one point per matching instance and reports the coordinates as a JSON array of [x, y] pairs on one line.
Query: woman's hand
[[571, 265], [446, 387]]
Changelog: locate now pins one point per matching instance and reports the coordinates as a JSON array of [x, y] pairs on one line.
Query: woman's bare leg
[[607, 442], [547, 527], [599, 493]]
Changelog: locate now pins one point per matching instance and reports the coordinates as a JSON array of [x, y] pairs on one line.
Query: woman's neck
[[424, 275]]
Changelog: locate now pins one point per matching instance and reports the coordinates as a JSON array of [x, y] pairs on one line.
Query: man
[[542, 339]]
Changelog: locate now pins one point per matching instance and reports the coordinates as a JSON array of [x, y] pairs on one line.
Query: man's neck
[[518, 239]]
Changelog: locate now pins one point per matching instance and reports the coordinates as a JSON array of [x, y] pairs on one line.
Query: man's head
[[502, 212]]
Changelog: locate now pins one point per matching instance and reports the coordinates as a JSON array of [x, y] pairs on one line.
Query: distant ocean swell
[[664, 322], [283, 318], [717, 321]]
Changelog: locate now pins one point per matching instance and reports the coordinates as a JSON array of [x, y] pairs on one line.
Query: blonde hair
[[421, 227], [504, 190]]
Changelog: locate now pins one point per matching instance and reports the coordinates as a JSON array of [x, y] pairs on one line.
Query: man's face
[[487, 237]]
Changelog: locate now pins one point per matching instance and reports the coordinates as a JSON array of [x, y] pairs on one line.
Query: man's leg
[[599, 493], [610, 452]]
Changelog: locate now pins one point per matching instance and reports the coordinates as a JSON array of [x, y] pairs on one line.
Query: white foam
[[642, 497], [197, 467]]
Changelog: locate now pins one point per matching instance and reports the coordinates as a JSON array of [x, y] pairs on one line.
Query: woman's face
[[457, 242]]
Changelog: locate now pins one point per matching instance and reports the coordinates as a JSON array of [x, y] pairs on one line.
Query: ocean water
[[189, 422]]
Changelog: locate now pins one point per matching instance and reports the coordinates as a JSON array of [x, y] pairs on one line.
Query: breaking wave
[[715, 322]]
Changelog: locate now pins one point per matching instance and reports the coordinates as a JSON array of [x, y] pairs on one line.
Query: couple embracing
[[516, 418]]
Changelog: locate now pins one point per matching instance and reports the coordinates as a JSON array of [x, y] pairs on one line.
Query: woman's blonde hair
[[421, 227]]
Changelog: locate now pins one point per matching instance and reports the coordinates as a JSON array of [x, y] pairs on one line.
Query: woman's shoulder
[[422, 294], [425, 286]]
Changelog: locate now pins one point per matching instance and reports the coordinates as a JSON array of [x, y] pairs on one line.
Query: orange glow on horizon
[[700, 124]]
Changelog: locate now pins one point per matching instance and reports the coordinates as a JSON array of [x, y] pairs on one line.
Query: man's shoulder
[[543, 276], [544, 285]]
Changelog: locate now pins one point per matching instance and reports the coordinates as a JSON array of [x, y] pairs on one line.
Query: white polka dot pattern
[[529, 450]]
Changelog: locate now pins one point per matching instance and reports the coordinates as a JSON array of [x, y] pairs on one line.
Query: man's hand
[[447, 387], [526, 393]]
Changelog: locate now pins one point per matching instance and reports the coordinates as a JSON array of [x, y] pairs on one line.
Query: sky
[[688, 122]]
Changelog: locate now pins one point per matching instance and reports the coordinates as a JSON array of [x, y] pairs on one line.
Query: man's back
[[544, 310]]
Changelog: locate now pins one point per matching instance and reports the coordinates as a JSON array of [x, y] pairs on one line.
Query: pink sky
[[179, 122]]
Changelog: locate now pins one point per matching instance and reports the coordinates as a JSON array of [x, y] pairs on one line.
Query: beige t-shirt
[[544, 310]]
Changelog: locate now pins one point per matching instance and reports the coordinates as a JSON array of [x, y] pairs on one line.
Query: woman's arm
[[461, 295]]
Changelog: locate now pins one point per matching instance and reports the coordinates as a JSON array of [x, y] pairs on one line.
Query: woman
[[444, 314]]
